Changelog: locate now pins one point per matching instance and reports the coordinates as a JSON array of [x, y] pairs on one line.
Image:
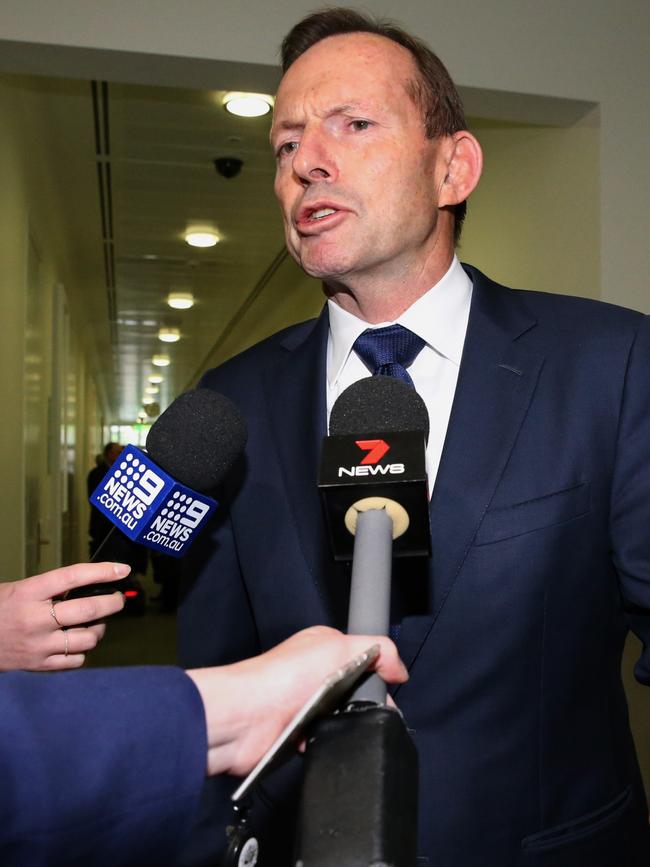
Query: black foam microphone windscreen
[[378, 404], [198, 438]]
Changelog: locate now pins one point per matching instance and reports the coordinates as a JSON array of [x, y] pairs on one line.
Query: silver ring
[[65, 635], [53, 615]]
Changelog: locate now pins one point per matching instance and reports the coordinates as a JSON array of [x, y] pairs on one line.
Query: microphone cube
[[390, 466], [149, 506]]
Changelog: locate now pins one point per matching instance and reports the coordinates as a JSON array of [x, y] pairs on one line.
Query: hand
[[249, 703], [31, 638]]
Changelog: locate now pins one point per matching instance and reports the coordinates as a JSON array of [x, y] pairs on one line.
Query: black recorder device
[[377, 470]]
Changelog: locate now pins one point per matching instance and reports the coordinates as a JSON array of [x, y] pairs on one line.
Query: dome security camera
[[228, 167]]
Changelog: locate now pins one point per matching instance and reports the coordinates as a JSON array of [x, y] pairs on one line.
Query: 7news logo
[[369, 465]]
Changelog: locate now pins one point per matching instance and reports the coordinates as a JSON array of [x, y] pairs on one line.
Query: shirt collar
[[439, 317]]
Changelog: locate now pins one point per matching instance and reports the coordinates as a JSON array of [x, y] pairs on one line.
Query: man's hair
[[109, 448], [433, 90]]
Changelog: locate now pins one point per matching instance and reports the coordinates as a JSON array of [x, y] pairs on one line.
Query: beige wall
[[29, 209]]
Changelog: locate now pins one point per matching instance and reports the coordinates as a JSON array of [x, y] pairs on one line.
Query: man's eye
[[360, 125], [287, 148]]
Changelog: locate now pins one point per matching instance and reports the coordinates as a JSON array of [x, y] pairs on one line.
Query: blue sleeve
[[630, 511], [101, 767]]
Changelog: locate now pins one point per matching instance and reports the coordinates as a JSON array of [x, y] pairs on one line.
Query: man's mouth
[[320, 213], [324, 213]]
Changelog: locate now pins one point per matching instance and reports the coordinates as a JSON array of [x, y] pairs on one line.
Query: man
[[538, 460], [105, 767]]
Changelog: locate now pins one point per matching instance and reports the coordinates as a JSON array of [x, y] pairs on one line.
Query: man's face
[[356, 176]]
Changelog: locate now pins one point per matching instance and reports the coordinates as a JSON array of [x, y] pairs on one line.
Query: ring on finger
[[53, 615]]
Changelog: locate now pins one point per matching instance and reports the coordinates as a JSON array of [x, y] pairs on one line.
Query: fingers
[[73, 612], [388, 665], [56, 582], [66, 648], [61, 662], [333, 648]]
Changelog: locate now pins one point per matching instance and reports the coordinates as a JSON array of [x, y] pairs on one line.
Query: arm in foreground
[[31, 636], [249, 703], [121, 753]]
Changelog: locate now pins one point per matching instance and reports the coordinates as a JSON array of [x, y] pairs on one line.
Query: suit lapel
[[296, 396], [496, 382]]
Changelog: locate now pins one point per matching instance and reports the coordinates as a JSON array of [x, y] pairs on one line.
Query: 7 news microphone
[[359, 797], [157, 498]]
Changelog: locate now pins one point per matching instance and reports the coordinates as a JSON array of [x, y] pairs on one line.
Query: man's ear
[[463, 163]]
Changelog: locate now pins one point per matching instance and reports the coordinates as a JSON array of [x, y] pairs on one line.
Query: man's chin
[[324, 268]]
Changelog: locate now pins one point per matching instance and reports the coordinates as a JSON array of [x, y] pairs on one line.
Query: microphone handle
[[95, 556], [369, 611], [96, 589]]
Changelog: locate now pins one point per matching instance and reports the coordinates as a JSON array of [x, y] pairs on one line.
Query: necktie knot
[[388, 351]]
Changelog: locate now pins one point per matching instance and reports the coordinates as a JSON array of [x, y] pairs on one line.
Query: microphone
[[359, 795], [156, 498], [374, 488], [374, 458]]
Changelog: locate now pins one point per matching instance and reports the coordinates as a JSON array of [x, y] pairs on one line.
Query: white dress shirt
[[440, 318]]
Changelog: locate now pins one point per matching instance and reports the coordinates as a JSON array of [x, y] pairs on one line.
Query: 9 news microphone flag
[[157, 498], [149, 506]]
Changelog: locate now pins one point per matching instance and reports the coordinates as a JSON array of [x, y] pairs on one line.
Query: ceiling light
[[151, 389], [248, 104], [180, 300], [201, 238], [169, 335], [155, 378], [160, 360], [147, 401]]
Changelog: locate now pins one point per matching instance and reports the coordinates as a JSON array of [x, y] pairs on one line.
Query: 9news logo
[[149, 506]]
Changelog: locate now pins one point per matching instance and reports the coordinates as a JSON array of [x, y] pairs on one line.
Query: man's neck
[[373, 299]]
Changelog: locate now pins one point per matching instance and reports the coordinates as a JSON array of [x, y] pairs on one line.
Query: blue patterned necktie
[[388, 351]]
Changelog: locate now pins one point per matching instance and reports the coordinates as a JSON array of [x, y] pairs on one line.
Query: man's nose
[[314, 160]]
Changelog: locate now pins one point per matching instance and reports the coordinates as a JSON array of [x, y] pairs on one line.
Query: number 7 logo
[[376, 450]]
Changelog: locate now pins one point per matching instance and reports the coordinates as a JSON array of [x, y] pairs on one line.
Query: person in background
[[99, 526]]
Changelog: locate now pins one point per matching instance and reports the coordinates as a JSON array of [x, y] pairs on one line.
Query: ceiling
[[157, 148], [134, 168]]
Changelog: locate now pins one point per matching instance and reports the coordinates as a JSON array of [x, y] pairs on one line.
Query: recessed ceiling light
[[147, 401], [169, 335], [248, 104], [155, 377], [180, 300], [160, 360], [151, 389], [201, 238]]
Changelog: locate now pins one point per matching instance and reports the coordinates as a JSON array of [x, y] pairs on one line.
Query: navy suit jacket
[[513, 631], [99, 768]]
